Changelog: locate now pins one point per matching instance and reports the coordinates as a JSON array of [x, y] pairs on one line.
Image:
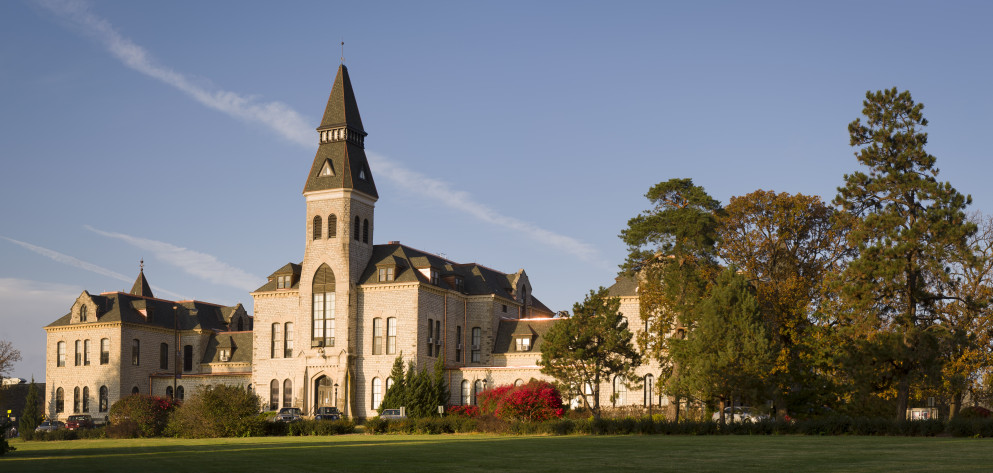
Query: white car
[[741, 413]]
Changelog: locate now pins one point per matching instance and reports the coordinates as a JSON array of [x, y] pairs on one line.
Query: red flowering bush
[[139, 416], [535, 401], [463, 411]]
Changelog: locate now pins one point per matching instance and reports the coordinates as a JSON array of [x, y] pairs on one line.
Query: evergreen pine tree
[[31, 415]]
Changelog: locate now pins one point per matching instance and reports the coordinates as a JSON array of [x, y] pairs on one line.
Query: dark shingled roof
[[188, 315], [239, 343], [346, 157], [141, 287], [625, 286], [292, 269], [510, 328]]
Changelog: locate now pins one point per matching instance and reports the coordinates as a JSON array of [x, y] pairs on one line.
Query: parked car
[[81, 421], [288, 414], [393, 414], [327, 413], [48, 425], [741, 413]]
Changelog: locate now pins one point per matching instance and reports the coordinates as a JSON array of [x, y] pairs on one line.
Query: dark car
[[82, 421], [48, 425], [393, 414], [327, 413], [288, 414]]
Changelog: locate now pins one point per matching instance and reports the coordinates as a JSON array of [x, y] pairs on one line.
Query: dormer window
[[459, 284], [523, 343], [362, 174], [82, 313], [435, 277], [284, 282], [387, 273], [225, 354]]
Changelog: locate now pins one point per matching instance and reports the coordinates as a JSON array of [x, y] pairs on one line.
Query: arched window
[[519, 382], [358, 222], [466, 394], [82, 313], [134, 390], [104, 404], [104, 351], [180, 393], [288, 341], [620, 392], [60, 403], [389, 384], [332, 226], [86, 399], [323, 308], [274, 395], [287, 393], [75, 400], [317, 227], [164, 356], [276, 340], [649, 389], [377, 392], [61, 354], [477, 388], [391, 335], [365, 231], [169, 392]]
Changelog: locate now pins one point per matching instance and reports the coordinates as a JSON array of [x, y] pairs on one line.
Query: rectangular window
[[523, 344], [437, 337], [430, 337], [318, 319], [276, 340], [79, 353], [288, 343], [164, 356], [135, 352], [459, 284], [505, 308], [435, 277], [386, 274], [476, 338], [104, 351], [458, 343], [377, 336], [329, 319], [323, 310], [391, 336], [86, 353], [188, 358], [61, 354]]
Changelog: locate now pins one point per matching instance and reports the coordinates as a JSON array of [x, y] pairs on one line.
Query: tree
[[593, 344], [32, 413], [217, 411], [420, 392], [727, 354], [785, 245], [672, 252], [8, 356], [909, 228]]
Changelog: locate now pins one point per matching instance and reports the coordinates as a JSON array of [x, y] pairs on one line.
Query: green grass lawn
[[505, 453]]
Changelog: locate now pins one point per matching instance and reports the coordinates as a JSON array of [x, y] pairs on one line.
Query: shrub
[[974, 412], [376, 425], [535, 401], [139, 416], [464, 411], [4, 446], [218, 411]]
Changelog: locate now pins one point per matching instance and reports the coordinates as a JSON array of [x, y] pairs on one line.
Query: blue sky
[[511, 134]]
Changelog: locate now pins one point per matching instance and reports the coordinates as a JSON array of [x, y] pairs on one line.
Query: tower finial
[[141, 265], [342, 51]]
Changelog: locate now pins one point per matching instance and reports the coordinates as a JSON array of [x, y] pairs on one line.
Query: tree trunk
[[722, 405], [677, 400], [955, 406], [902, 396]]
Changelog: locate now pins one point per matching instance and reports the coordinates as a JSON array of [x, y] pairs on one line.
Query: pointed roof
[[341, 139], [341, 108], [141, 287]]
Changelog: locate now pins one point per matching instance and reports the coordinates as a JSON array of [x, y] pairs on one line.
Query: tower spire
[[141, 286], [341, 162]]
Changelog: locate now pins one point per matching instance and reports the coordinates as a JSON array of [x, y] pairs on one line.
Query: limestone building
[[326, 330], [116, 344]]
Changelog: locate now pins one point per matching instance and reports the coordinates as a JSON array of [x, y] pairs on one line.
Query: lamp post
[[335, 394]]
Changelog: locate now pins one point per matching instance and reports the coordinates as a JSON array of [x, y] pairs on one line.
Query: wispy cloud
[[275, 115], [201, 265], [291, 125], [442, 192], [78, 263]]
